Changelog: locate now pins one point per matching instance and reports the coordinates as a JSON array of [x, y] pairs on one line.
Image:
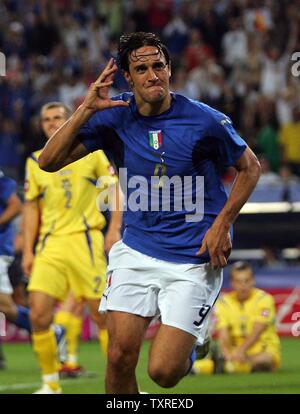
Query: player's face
[[52, 119], [149, 75], [242, 281]]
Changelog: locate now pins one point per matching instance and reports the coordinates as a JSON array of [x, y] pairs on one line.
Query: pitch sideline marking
[[36, 384]]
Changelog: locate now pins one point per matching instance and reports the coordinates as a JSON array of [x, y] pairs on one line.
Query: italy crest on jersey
[[155, 139]]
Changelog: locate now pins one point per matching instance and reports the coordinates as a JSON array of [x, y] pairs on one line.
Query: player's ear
[[169, 69], [128, 78]]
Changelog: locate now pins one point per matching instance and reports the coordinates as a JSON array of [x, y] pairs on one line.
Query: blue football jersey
[[165, 157], [7, 189]]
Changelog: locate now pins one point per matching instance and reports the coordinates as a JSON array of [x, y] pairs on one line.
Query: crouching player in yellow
[[245, 326], [60, 210]]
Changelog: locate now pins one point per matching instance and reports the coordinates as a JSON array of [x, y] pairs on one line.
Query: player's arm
[[240, 353], [114, 228], [64, 147], [13, 208], [217, 239], [31, 218], [225, 342]]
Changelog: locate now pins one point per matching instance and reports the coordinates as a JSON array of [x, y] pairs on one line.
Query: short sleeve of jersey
[[7, 188], [221, 315], [265, 310], [229, 146], [105, 171], [31, 187]]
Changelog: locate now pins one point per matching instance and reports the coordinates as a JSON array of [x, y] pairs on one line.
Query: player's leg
[[47, 285], [169, 358], [43, 338], [100, 320], [87, 275], [69, 315], [262, 362], [185, 300], [16, 314], [126, 332]]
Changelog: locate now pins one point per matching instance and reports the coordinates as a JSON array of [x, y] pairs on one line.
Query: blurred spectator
[[234, 44], [234, 55], [289, 139], [267, 177], [267, 138]]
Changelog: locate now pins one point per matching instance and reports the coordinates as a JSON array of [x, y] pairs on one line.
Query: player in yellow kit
[[61, 208], [245, 324]]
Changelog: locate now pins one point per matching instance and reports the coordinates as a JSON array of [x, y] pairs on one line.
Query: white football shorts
[[5, 285], [182, 295]]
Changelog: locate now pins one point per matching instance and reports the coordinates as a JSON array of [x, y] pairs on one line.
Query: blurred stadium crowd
[[234, 55]]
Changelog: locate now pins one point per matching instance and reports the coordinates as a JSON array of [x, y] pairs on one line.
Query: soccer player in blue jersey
[[10, 207], [170, 259]]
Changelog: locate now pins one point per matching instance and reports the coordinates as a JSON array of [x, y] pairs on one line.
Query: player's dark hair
[[240, 266], [132, 41]]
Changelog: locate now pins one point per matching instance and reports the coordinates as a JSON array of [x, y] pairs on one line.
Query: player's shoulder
[[200, 109], [261, 295], [33, 158], [116, 113]]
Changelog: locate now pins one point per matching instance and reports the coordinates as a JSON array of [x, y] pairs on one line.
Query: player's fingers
[[202, 249], [98, 85], [118, 103], [222, 260], [110, 68]]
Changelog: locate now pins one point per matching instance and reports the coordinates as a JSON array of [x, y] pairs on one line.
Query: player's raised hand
[[97, 97], [218, 243]]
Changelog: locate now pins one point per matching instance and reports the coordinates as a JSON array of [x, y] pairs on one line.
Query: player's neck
[[153, 109]]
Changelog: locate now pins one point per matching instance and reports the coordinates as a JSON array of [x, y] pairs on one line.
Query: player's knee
[[166, 377], [40, 320], [122, 358]]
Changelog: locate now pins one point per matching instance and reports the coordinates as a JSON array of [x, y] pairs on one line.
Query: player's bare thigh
[[126, 333]]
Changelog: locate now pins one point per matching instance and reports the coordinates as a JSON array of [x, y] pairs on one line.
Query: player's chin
[[155, 97]]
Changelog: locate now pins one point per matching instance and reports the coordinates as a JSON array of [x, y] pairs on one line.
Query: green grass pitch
[[22, 375]]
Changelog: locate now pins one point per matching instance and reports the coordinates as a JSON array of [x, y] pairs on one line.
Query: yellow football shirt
[[240, 318], [67, 198]]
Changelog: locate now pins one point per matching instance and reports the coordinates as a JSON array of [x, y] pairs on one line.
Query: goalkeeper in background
[[60, 211], [245, 325]]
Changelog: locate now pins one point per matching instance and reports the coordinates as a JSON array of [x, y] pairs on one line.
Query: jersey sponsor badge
[[111, 170], [155, 139]]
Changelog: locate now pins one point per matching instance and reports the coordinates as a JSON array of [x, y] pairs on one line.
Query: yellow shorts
[[74, 262]]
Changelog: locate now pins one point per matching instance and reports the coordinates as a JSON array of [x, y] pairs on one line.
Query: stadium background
[[235, 55]]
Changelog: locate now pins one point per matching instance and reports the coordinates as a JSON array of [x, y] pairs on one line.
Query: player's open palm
[[97, 97]]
